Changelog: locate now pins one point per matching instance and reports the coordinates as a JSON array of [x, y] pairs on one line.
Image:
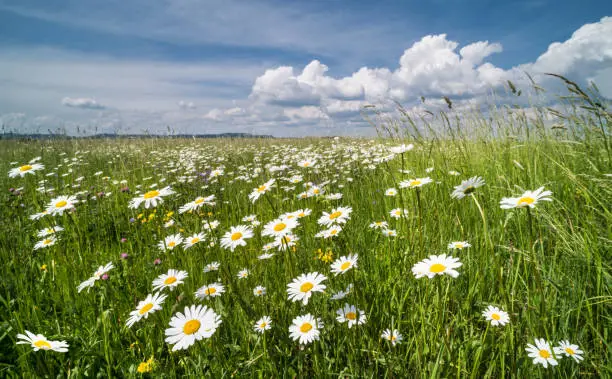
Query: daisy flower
[[337, 216], [401, 148], [263, 324], [459, 245], [243, 274], [259, 291], [334, 196], [467, 187], [305, 329], [379, 225], [569, 350], [170, 242], [197, 203], [391, 192], [351, 315], [40, 342], [343, 264], [170, 280], [301, 213], [279, 227], [210, 290], [415, 183], [197, 323], [304, 285], [286, 242], [265, 256], [236, 237], [60, 204], [307, 163], [496, 316], [151, 304], [212, 266], [392, 336], [257, 192], [45, 243], [151, 198], [329, 233], [541, 353], [436, 265], [527, 199], [49, 231], [397, 212], [96, 276], [389, 233], [21, 171], [342, 294], [192, 240]]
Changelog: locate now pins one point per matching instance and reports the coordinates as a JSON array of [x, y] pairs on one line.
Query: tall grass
[[550, 269]]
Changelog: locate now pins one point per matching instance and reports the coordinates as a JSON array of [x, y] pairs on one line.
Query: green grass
[[554, 280]]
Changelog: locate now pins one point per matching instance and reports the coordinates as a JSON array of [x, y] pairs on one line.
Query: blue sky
[[199, 66]]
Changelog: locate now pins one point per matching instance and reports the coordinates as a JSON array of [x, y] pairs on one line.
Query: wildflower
[[197, 204], [334, 196], [329, 233], [569, 350], [527, 199], [212, 266], [40, 342], [459, 245], [157, 261], [379, 225], [343, 264], [389, 233], [265, 255], [243, 274], [392, 336], [151, 198], [304, 285], [391, 192], [60, 204], [263, 324], [170, 242], [496, 316], [197, 323], [236, 237], [541, 353], [401, 148], [305, 329], [436, 265], [193, 240], [351, 315], [415, 183], [279, 227], [398, 212], [45, 243], [145, 367], [49, 231], [259, 291], [43, 267], [96, 276], [307, 163], [21, 171], [170, 280], [262, 189], [150, 304], [124, 255], [467, 187], [339, 215], [210, 290], [342, 294]]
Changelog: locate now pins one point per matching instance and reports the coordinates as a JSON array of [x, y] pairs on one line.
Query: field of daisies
[[409, 257]]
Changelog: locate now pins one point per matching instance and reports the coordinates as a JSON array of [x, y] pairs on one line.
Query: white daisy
[[459, 245], [150, 304], [415, 183], [21, 171], [212, 266], [344, 263], [49, 241], [40, 342], [210, 290], [96, 276], [151, 198], [541, 353], [259, 291], [60, 204], [527, 199], [193, 240], [279, 227], [496, 316], [48, 231], [305, 329], [392, 336], [170, 242], [170, 280], [236, 237], [198, 203], [197, 322], [467, 187], [437, 265], [339, 215], [263, 324], [569, 350], [301, 288], [351, 315]]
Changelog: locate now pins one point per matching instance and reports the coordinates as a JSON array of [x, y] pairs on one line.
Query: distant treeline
[[18, 136]]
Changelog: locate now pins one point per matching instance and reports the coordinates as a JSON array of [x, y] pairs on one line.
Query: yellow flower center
[[544, 354], [144, 367], [25, 168], [306, 164], [50, 231], [316, 191], [210, 290], [263, 325], [47, 241], [334, 232], [335, 215], [437, 267], [195, 240], [61, 204], [191, 327], [414, 183], [301, 214], [280, 226], [42, 344], [286, 240], [351, 316], [151, 194], [171, 244], [261, 188], [170, 280], [146, 308], [345, 266], [393, 338], [236, 236], [495, 316], [305, 328], [199, 200], [526, 200], [306, 287], [570, 351]]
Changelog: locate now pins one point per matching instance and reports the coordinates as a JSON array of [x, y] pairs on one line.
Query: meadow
[[422, 253]]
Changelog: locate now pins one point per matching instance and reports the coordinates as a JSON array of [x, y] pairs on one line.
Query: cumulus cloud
[[82, 102], [186, 105]]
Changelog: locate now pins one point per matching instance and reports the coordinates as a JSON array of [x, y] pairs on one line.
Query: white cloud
[[82, 102], [186, 105]]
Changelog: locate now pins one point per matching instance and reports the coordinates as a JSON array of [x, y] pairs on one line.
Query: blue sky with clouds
[[276, 67]]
